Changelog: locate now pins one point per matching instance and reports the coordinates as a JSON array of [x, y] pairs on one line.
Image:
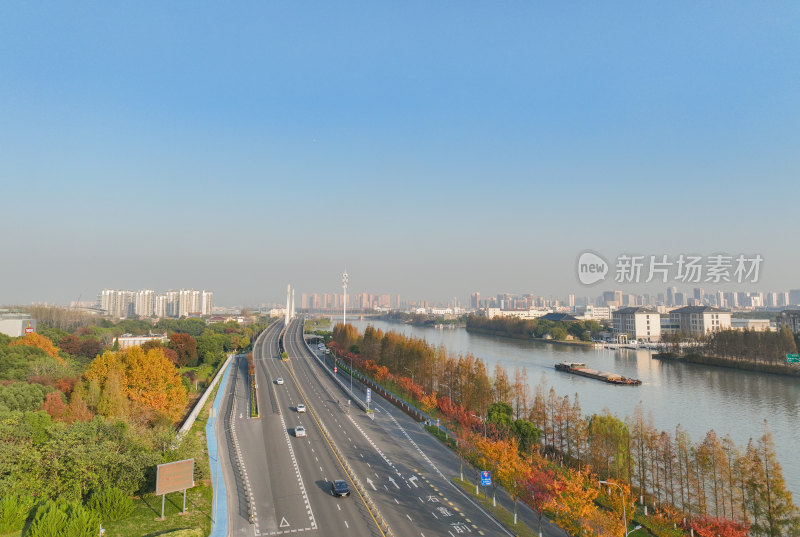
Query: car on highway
[[301, 407], [339, 488], [299, 431], [279, 380]]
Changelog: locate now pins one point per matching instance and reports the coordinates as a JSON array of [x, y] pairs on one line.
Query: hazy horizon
[[429, 150]]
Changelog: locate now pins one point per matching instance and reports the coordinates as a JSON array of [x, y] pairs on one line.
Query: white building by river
[[637, 324]]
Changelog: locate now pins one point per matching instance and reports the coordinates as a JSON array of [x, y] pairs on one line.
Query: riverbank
[[487, 332], [774, 369]]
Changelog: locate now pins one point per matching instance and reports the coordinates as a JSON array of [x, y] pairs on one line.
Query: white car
[[279, 380], [299, 431], [301, 407]]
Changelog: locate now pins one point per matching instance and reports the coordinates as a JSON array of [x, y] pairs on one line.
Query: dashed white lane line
[[299, 477]]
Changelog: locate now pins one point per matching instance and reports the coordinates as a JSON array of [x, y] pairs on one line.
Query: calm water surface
[[698, 397]]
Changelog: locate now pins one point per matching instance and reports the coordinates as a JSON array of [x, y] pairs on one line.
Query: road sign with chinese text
[[793, 358], [486, 478]]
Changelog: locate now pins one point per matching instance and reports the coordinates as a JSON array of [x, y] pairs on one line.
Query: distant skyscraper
[[699, 294], [671, 292], [475, 300], [794, 297]]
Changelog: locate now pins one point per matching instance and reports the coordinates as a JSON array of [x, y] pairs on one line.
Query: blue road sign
[[486, 478], [369, 396]]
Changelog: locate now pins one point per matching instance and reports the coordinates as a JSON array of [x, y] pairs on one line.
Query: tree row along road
[[393, 457]]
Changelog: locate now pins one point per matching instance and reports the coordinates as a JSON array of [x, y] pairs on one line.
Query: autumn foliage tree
[[148, 379], [668, 470], [185, 347], [708, 526], [37, 340]]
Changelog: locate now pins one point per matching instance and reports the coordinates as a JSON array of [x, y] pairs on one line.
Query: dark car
[[339, 488]]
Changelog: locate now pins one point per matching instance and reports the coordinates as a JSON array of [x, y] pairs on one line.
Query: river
[[700, 398]]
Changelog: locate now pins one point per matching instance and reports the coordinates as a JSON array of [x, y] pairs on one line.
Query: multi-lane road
[[399, 475]]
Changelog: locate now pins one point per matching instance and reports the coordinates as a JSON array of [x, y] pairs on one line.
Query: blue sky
[[431, 149]]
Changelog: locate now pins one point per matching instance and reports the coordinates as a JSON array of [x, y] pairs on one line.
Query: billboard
[[174, 476]]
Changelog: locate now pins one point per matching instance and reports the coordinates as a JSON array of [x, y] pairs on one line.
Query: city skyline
[[177, 303], [430, 150]]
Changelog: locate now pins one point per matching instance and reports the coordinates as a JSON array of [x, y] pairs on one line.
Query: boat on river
[[579, 368]]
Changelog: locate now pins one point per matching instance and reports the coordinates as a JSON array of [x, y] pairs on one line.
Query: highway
[[399, 464], [288, 478], [280, 484]]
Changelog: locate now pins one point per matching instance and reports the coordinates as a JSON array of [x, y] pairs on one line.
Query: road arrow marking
[[284, 524], [394, 482], [412, 479], [371, 484]]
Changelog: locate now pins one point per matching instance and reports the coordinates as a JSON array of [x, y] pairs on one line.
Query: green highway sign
[[793, 358]]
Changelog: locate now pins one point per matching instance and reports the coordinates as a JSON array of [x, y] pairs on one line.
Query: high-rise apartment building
[[160, 306], [118, 303], [206, 302], [145, 302]]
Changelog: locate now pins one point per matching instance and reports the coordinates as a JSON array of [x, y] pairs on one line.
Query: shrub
[[64, 519], [111, 504], [13, 512]]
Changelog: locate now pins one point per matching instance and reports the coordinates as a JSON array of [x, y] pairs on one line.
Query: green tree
[[501, 416], [527, 434], [609, 446], [22, 396], [558, 333], [211, 347]]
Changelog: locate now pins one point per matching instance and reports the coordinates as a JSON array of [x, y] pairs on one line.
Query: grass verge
[[500, 513], [199, 500]]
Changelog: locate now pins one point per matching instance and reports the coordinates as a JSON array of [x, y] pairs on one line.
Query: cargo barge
[[578, 368]]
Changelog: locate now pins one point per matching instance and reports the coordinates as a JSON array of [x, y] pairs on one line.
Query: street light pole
[[412, 374], [344, 298], [483, 420], [624, 514], [449, 391]]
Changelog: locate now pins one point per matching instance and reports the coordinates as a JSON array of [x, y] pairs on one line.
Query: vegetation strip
[[545, 452]]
